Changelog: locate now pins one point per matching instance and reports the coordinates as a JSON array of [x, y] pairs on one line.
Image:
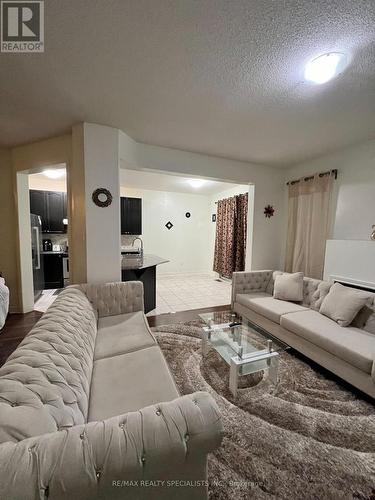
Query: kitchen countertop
[[51, 252], [129, 263]]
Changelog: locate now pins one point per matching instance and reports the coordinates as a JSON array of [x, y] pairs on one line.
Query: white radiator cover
[[352, 261]]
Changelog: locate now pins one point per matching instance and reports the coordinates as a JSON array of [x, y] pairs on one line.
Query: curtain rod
[[310, 177], [234, 196]]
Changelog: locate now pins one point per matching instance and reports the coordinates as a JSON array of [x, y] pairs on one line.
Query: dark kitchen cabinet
[[52, 208], [38, 206], [53, 271], [131, 216], [55, 211]]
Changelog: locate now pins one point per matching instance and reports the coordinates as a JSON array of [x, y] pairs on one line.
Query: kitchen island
[[136, 268]]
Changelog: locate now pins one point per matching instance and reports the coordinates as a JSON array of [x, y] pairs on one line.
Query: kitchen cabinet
[[38, 206], [53, 270], [52, 208], [131, 216]]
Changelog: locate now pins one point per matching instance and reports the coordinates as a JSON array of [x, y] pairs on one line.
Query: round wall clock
[[102, 197]]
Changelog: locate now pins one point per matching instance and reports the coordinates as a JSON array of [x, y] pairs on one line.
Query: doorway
[[179, 226], [47, 192]]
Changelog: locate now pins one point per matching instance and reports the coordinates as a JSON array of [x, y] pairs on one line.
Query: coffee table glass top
[[233, 335]]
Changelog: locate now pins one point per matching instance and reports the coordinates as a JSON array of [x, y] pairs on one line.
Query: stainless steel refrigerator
[[37, 260]]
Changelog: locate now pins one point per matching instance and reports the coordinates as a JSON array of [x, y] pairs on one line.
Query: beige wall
[[77, 209], [8, 229], [32, 158]]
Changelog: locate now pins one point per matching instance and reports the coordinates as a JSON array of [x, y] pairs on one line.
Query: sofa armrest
[[110, 299], [250, 281], [165, 442]]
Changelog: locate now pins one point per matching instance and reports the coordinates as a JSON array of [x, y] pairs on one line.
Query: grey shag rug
[[310, 437]]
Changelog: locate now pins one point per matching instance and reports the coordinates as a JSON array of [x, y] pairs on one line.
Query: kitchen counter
[[51, 252], [141, 262], [143, 269]]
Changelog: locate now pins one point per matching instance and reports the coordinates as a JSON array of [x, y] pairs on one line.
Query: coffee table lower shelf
[[245, 364]]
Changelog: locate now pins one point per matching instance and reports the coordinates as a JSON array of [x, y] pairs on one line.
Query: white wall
[[24, 234], [228, 193], [187, 244], [42, 183], [350, 261], [103, 239], [354, 191], [268, 188]]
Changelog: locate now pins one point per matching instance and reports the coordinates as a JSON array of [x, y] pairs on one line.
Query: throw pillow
[[342, 304], [289, 287]]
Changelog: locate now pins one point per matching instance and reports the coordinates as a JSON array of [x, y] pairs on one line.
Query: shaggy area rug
[[309, 437]]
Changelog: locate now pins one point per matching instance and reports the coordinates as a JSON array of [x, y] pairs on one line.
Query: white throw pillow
[[289, 287], [343, 303]]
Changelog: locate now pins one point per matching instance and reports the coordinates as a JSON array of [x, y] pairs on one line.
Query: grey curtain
[[231, 234]]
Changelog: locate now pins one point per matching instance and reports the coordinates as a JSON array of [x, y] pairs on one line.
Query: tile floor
[[183, 292], [174, 292], [45, 300]]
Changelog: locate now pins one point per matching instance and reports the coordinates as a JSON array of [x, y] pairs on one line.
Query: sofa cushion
[[45, 383], [343, 303], [352, 345], [121, 334], [289, 287], [365, 319], [314, 292], [269, 307], [271, 282], [129, 382]]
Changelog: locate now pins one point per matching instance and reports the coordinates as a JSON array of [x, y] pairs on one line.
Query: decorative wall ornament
[[372, 236], [102, 197], [213, 218], [169, 225], [188, 215], [269, 211]]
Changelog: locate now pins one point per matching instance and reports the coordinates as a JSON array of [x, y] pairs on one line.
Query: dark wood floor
[[17, 326]]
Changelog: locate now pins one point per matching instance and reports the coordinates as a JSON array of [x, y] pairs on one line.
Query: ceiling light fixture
[[54, 173], [196, 183], [325, 67]]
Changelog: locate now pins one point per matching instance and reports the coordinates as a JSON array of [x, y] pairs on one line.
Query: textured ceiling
[[223, 77]]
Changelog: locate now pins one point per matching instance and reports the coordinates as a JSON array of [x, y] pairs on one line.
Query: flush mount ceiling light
[[325, 67], [54, 173], [196, 183]]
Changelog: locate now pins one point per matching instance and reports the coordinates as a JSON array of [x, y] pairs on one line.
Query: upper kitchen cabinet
[[38, 206], [131, 216], [52, 208]]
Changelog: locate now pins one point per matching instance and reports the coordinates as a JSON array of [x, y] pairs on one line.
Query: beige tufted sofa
[[348, 352], [89, 408]]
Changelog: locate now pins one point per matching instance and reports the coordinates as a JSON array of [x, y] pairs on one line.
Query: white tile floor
[[174, 292], [182, 292], [45, 300]]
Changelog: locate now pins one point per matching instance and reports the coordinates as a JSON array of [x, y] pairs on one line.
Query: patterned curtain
[[231, 233]]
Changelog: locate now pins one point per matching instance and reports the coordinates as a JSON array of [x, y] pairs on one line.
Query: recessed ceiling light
[[196, 183], [54, 173], [325, 67]]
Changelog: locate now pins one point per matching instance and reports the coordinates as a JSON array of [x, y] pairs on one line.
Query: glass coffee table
[[244, 346]]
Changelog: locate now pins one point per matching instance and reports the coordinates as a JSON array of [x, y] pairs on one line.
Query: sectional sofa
[[348, 352], [89, 408]]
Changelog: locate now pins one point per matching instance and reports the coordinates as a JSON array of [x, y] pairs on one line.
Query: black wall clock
[[188, 215]]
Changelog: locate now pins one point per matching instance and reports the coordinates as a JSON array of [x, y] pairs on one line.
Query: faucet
[[140, 239]]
